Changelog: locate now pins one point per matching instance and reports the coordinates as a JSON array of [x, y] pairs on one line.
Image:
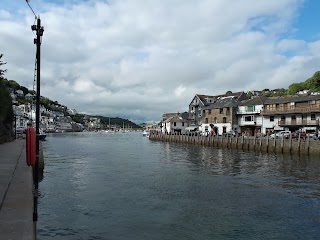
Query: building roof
[[259, 100], [203, 98], [291, 98], [224, 102], [175, 119]]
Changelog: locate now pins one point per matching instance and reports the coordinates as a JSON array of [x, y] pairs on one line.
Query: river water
[[124, 186]]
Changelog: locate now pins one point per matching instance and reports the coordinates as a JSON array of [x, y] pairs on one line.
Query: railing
[[248, 112], [299, 122], [308, 109]]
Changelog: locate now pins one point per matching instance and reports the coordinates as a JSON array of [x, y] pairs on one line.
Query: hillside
[[312, 83], [6, 112], [6, 115], [56, 106]]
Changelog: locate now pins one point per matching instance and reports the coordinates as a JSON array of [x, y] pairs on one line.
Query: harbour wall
[[261, 144]]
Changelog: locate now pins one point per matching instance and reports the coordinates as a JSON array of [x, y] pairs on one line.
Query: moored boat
[[145, 133]]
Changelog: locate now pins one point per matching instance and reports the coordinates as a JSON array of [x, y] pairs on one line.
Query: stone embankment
[[262, 144]]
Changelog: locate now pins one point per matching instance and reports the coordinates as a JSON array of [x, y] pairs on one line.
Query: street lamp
[[39, 33]]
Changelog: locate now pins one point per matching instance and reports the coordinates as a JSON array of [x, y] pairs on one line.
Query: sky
[[138, 59]]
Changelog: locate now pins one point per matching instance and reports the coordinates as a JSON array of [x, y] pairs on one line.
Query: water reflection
[[299, 174], [127, 187]]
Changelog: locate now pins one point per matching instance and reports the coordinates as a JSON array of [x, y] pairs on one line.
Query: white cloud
[[143, 58]]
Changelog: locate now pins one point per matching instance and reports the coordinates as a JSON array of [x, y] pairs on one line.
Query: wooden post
[[290, 144], [260, 144], [237, 138], [308, 143], [267, 142], [299, 143], [242, 142]]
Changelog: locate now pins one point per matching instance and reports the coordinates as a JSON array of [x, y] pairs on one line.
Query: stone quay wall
[[308, 146]]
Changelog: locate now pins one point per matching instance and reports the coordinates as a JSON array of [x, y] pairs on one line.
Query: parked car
[[295, 135], [280, 134], [230, 133]]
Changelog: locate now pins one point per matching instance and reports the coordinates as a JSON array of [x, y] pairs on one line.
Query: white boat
[[145, 133]]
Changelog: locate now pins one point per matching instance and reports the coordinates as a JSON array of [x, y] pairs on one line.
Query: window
[[228, 111], [206, 120], [271, 118], [250, 108], [203, 111], [248, 118], [277, 105], [313, 117], [209, 111], [174, 124], [183, 124], [224, 120], [221, 110], [293, 117], [215, 120]]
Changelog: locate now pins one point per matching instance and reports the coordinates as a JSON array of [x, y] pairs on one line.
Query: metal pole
[[36, 180]]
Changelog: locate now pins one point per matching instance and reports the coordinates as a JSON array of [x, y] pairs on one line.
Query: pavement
[[16, 197]]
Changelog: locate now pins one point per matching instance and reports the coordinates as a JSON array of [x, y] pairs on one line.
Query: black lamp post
[[39, 31]]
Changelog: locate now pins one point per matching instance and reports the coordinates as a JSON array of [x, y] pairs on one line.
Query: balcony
[[308, 109], [248, 111], [298, 122]]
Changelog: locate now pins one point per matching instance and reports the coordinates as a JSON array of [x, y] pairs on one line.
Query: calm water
[[123, 186]]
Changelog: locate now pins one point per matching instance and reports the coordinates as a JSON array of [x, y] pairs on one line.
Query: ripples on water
[[123, 186]]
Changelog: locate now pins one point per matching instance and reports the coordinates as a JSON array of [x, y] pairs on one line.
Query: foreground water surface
[[123, 186]]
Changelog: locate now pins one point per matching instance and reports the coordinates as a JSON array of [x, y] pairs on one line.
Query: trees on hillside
[[6, 111], [312, 83]]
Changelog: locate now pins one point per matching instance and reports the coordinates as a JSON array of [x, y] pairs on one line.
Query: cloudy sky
[[140, 58]]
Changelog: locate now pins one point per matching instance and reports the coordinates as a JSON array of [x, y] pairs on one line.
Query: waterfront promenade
[[16, 199]]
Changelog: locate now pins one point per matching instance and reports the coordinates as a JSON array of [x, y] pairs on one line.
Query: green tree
[[294, 88], [313, 83]]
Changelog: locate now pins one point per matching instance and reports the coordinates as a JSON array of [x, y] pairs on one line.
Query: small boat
[[42, 135], [145, 133]]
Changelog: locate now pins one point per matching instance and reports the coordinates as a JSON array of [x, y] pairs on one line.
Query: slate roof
[[175, 119], [259, 100], [203, 97], [291, 98], [223, 102]]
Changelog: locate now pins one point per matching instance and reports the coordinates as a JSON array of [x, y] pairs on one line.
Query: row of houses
[[50, 121], [56, 119], [254, 116]]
